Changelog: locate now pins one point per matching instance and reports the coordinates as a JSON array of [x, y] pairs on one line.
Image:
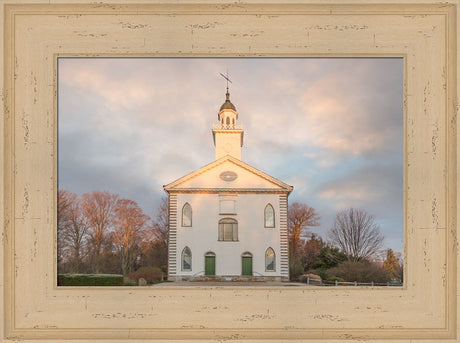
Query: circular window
[[228, 176]]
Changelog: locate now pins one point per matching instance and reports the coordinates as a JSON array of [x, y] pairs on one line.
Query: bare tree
[[73, 228], [300, 218], [357, 234], [63, 204], [98, 208], [129, 223], [161, 222], [155, 247]]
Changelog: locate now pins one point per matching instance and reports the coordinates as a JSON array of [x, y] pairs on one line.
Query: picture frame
[[35, 34]]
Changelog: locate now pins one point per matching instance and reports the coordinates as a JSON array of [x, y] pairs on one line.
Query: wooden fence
[[319, 282]]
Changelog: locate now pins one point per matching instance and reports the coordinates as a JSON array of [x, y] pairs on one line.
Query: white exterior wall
[[228, 142], [253, 237]]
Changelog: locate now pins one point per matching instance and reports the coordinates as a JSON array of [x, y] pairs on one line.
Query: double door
[[210, 264]]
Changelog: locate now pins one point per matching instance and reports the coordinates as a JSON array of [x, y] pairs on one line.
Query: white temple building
[[228, 220]]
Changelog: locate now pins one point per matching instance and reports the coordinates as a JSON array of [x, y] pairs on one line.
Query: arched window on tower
[[270, 260], [187, 215], [228, 229], [269, 216], [228, 121], [186, 259]]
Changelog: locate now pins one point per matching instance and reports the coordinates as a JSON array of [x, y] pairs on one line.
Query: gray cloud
[[322, 125]]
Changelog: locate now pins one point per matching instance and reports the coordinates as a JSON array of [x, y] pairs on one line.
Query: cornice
[[284, 187], [230, 190]]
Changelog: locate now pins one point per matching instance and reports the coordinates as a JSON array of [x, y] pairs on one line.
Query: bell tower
[[228, 134]]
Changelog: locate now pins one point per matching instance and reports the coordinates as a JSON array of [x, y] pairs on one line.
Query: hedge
[[90, 280]]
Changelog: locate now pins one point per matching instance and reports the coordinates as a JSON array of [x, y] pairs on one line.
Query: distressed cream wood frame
[[34, 35]]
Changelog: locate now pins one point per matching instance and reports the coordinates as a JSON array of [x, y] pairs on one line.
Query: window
[[227, 204], [269, 216], [186, 259], [270, 260], [228, 121], [228, 229], [187, 215]]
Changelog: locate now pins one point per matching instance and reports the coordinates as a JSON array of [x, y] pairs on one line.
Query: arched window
[[187, 215], [269, 216], [270, 260], [228, 229], [228, 120], [186, 259]]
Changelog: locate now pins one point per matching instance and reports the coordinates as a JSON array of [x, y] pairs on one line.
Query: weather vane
[[226, 78]]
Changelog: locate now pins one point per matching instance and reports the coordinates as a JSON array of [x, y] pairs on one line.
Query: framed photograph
[[36, 36], [331, 128]]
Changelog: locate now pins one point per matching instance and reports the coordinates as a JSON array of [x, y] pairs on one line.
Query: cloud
[[115, 93], [341, 119], [376, 188], [133, 125]]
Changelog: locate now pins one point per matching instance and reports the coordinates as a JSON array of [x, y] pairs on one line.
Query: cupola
[[228, 134]]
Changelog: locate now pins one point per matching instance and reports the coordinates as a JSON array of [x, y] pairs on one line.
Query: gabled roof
[[211, 177]]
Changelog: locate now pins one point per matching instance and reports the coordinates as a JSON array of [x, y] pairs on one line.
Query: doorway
[[246, 264], [210, 263]]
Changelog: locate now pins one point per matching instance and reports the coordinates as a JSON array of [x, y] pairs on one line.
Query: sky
[[330, 127]]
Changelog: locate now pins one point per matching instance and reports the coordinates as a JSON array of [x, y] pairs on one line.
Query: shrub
[[129, 282], [361, 271], [295, 271], [335, 278], [90, 280], [150, 274], [321, 272], [329, 257]]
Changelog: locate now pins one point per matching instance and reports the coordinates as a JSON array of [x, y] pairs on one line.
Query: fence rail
[[318, 282]]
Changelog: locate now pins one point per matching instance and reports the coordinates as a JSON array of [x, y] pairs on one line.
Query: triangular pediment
[[228, 173]]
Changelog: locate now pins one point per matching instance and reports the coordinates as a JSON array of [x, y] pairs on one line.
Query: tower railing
[[220, 126]]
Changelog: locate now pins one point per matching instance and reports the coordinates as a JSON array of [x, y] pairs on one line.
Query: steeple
[[228, 134], [227, 104]]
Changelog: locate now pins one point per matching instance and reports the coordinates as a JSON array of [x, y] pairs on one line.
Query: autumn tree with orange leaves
[[301, 217], [98, 208], [129, 224], [310, 252], [391, 264], [103, 233]]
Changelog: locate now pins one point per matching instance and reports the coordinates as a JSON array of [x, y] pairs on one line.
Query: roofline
[[230, 190], [237, 162]]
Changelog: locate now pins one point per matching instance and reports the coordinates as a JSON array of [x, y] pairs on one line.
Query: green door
[[247, 265], [209, 265]]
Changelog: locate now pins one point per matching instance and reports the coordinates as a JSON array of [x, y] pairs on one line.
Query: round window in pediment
[[228, 176]]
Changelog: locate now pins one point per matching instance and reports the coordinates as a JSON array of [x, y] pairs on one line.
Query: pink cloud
[[336, 117], [116, 93]]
